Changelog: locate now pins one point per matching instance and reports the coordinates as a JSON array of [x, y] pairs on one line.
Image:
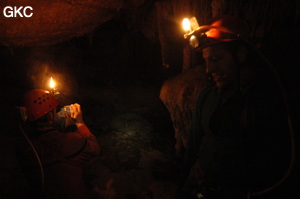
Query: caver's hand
[[76, 114]]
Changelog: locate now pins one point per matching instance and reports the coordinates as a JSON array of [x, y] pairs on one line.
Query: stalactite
[[163, 11]]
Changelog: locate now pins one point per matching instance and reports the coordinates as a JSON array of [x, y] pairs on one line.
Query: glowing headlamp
[[189, 25], [202, 36], [52, 85], [186, 25]]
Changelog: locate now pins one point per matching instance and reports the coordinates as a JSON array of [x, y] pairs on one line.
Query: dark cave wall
[[139, 36]]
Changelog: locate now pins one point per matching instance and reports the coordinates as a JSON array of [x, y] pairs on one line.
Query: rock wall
[[56, 21], [179, 94]]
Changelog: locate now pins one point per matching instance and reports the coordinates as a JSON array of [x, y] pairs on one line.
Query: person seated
[[55, 162]]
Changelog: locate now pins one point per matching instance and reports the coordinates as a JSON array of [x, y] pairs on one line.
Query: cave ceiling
[[55, 21]]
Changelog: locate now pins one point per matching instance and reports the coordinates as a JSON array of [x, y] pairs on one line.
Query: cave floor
[[137, 142]]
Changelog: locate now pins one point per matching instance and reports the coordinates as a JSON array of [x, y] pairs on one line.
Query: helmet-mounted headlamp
[[200, 37]]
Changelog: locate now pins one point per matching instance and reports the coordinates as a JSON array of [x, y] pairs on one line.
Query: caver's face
[[221, 65]]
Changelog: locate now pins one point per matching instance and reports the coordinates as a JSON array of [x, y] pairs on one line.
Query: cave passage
[[119, 96]]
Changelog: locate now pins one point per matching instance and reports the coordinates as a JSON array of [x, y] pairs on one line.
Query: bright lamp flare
[[52, 83], [186, 24]]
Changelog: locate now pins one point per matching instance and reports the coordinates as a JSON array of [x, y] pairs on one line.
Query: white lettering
[[24, 12], [9, 13], [15, 11]]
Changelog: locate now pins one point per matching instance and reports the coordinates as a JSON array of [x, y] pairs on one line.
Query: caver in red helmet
[[222, 29], [38, 102]]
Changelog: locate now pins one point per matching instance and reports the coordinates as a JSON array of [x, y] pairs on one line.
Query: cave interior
[[123, 61]]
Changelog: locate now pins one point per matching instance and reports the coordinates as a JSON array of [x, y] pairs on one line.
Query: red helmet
[[38, 102], [222, 29]]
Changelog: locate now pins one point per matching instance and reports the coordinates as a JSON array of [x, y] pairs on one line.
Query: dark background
[[116, 72]]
